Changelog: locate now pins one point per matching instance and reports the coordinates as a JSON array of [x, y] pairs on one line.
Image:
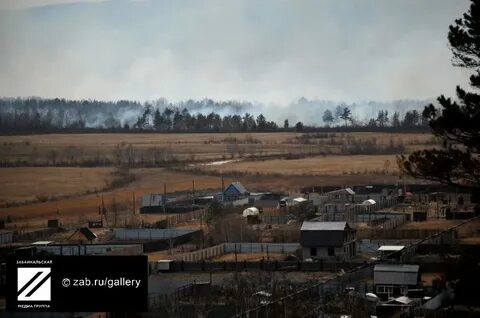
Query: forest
[[36, 115]]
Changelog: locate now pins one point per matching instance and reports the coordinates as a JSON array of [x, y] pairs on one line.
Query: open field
[[27, 184], [469, 232], [95, 149], [320, 165], [70, 193], [151, 181]]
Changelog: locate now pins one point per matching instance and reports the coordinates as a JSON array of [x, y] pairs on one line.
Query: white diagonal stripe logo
[[33, 284]]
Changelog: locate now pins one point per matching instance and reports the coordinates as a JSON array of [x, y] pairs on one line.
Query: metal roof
[[397, 275], [323, 226], [152, 200], [342, 191], [89, 235], [240, 188], [391, 248], [403, 300], [401, 268], [42, 242]]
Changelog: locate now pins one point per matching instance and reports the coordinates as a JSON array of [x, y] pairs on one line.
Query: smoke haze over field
[[270, 52]]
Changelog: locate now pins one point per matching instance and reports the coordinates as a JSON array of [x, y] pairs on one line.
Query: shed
[[392, 252], [152, 199]]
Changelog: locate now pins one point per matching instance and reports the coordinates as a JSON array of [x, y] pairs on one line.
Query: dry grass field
[[55, 148], [69, 192], [320, 165], [151, 180], [27, 184]]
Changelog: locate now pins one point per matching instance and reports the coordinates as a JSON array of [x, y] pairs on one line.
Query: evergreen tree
[[327, 117], [339, 112], [261, 123], [299, 126], [456, 123], [396, 120], [157, 120], [346, 115]]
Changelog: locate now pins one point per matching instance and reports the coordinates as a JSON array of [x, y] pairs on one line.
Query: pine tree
[[327, 117], [157, 120], [346, 115], [396, 120], [457, 122]]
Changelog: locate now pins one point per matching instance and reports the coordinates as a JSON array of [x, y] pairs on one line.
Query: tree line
[[33, 115]]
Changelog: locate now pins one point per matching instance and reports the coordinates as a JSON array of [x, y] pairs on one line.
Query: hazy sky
[[260, 50]]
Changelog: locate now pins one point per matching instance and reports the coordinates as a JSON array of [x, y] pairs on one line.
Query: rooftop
[[342, 191], [392, 248], [323, 226], [237, 185], [396, 268], [42, 242]]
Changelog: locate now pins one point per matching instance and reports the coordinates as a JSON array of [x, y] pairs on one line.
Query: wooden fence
[[186, 217], [206, 253]]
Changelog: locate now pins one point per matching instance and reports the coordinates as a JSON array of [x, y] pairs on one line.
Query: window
[[331, 251], [390, 290], [404, 290], [381, 290], [313, 251]]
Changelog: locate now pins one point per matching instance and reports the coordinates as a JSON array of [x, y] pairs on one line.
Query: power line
[[355, 269]]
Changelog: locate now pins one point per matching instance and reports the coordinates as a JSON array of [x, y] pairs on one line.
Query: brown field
[[65, 190], [469, 233], [38, 149], [26, 184], [319, 165], [151, 181]]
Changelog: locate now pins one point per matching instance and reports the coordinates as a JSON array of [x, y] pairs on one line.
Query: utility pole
[[133, 203], [193, 191], [164, 199]]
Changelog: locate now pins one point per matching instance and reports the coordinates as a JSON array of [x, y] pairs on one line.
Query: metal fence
[[150, 234], [261, 247], [208, 266], [224, 248]]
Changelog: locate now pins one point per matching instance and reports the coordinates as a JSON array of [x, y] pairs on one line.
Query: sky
[[269, 51]]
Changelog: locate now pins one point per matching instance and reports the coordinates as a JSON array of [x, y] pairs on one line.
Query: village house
[[235, 191], [346, 195], [394, 280], [327, 240]]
